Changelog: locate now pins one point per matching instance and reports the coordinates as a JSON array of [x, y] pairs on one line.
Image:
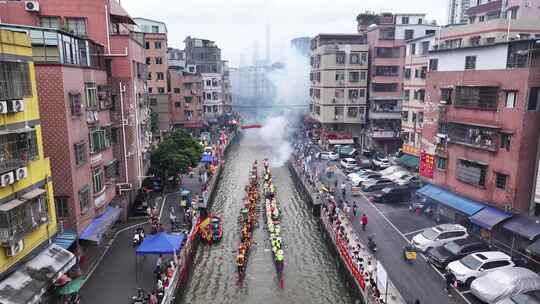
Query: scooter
[[371, 243], [138, 237], [139, 298]]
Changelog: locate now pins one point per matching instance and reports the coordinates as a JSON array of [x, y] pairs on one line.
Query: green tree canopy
[[175, 154]]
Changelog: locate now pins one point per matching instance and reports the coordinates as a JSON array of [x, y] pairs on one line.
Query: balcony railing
[[385, 114], [473, 136], [381, 134], [16, 150]]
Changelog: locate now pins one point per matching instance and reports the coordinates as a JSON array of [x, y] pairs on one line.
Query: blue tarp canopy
[[450, 199], [99, 225], [65, 239], [524, 226], [161, 243], [207, 158], [489, 217]]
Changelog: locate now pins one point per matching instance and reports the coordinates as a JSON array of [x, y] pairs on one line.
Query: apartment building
[[457, 10], [482, 118], [212, 96], [386, 34], [186, 108], [27, 214], [105, 72], [414, 94], [226, 88], [339, 78], [156, 52], [177, 58]]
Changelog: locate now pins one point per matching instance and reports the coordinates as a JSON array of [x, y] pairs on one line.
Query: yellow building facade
[[27, 210]]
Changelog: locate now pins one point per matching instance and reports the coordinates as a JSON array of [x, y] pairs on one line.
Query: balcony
[[21, 216], [473, 136], [385, 109], [17, 149]]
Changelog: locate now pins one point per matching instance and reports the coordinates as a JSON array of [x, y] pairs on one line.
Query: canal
[[312, 274]]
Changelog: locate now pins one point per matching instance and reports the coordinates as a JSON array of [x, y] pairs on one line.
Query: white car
[[357, 174], [365, 177], [328, 155], [478, 264], [392, 170], [502, 284], [438, 235], [382, 162], [348, 163]]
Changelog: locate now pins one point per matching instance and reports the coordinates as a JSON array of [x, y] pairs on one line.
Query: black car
[[393, 195], [440, 257], [376, 184]]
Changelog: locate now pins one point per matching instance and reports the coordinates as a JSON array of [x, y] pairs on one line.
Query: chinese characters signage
[[427, 164]]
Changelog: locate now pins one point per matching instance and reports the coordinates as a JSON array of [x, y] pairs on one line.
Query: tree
[[154, 122], [175, 155]]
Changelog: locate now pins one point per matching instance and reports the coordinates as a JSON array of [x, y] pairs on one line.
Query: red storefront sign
[[427, 164]]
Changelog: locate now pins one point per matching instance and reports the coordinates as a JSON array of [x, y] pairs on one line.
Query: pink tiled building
[[90, 70]]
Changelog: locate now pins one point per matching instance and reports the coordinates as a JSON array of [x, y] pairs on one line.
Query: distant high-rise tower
[[255, 52], [268, 59], [456, 11]]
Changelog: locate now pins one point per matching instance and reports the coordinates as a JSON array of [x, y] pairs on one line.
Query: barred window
[[84, 199], [15, 80]]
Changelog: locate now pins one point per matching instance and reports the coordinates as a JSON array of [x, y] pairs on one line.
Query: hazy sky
[[236, 24]]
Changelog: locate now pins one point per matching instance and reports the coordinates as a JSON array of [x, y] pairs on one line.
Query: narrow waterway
[[311, 271]]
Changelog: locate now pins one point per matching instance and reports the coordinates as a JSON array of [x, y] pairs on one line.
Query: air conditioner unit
[[442, 102], [14, 249], [21, 173], [31, 6], [3, 107], [336, 117], [18, 105], [6, 179]]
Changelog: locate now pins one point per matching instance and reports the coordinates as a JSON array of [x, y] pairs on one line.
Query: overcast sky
[[235, 25]]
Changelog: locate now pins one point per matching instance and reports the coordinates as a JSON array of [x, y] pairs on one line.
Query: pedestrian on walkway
[[355, 209], [363, 221], [172, 216], [153, 299], [159, 262], [449, 277], [343, 189]]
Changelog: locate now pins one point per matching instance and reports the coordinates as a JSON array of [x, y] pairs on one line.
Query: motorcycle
[[139, 298], [371, 243], [138, 237]]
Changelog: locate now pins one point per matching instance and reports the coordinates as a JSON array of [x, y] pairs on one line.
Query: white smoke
[[274, 134], [292, 91]]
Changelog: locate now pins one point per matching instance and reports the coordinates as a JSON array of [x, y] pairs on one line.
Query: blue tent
[[161, 243], [207, 158]]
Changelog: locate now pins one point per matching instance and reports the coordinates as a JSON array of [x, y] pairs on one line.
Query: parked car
[[438, 235], [382, 163], [393, 195], [392, 170], [348, 163], [358, 173], [364, 163], [478, 264], [530, 297], [411, 182], [440, 257], [376, 184], [504, 283], [368, 176], [327, 155]]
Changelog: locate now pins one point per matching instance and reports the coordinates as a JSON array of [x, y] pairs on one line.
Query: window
[[14, 80], [149, 76], [409, 34], [441, 163], [352, 111], [161, 90], [388, 52], [384, 87], [506, 140], [500, 180], [353, 94], [446, 95], [420, 95], [420, 117], [510, 99], [405, 116], [148, 60], [340, 75], [363, 75], [176, 90], [76, 26], [363, 58], [112, 169], [474, 40], [477, 97], [153, 101], [470, 62], [177, 104], [155, 29], [98, 140], [340, 58], [147, 45], [98, 180], [474, 136], [433, 64], [404, 20], [534, 98], [362, 92], [49, 22], [386, 70], [80, 153], [157, 44], [407, 73], [75, 104], [159, 60], [84, 199], [91, 95], [62, 207], [354, 59], [160, 76], [425, 48], [354, 76], [406, 95], [481, 18], [150, 89], [471, 172]]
